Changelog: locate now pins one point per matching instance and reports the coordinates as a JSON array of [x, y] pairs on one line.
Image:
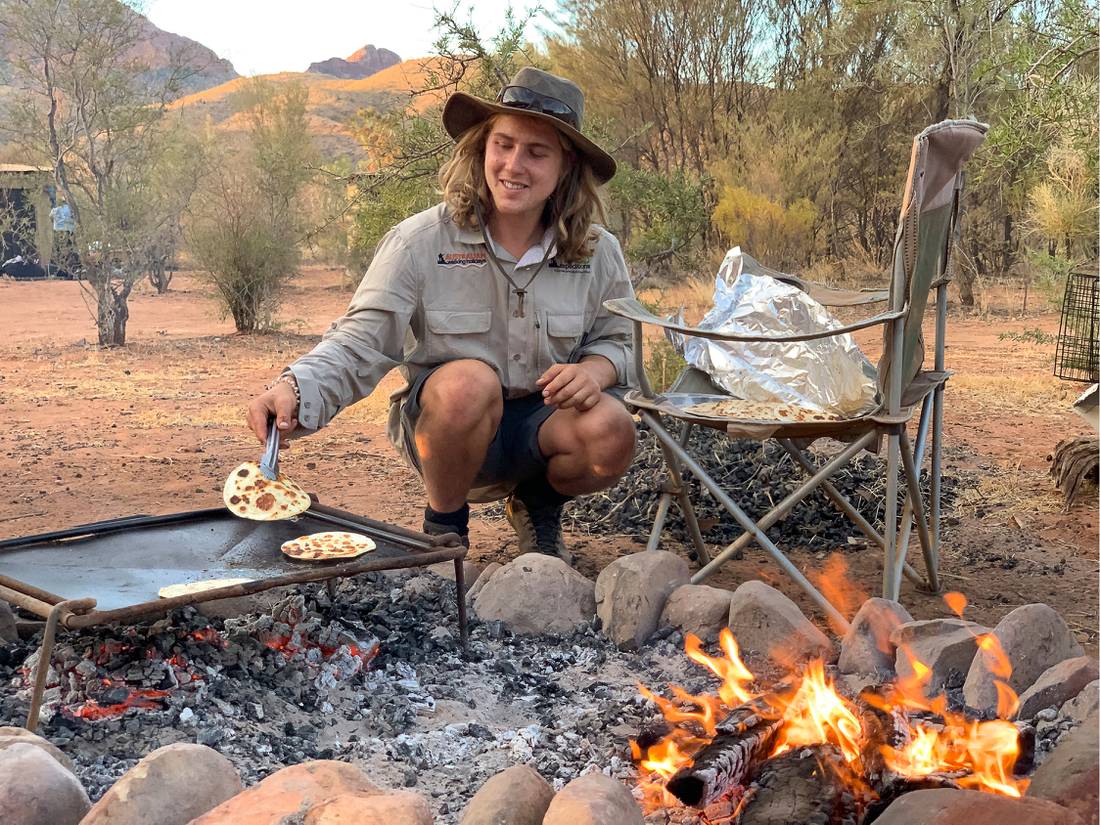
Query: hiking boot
[[538, 528]]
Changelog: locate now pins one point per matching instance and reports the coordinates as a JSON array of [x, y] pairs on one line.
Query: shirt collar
[[532, 256]]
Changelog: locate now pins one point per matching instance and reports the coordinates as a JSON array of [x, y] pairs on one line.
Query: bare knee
[[606, 433], [462, 396]]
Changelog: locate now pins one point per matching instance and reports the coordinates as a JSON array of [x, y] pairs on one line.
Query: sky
[[266, 36]]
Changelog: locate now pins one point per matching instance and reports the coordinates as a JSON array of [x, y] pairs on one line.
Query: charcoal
[[757, 475]]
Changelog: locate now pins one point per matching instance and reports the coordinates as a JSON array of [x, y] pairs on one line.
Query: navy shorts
[[514, 454]]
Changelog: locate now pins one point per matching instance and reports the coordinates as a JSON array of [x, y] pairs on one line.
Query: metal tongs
[[269, 461]]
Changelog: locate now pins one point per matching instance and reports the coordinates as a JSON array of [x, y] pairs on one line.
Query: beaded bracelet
[[289, 379]]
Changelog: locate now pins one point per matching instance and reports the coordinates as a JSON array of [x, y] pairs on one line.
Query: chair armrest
[[630, 308], [831, 297]]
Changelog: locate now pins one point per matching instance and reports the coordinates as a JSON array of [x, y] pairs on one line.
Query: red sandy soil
[[153, 427]]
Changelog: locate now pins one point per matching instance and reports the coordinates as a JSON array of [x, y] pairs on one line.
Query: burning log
[[724, 764], [810, 786]]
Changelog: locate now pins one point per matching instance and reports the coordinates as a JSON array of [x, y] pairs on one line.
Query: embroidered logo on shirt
[[452, 259], [580, 266]]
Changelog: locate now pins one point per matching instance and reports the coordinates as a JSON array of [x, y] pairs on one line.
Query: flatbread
[[326, 546], [248, 494], [173, 590], [763, 411]]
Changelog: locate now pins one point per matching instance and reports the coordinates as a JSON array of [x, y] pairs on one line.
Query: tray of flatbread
[[145, 559]]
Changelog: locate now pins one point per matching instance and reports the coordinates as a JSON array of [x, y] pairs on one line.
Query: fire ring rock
[[170, 786], [945, 806], [290, 791], [593, 799], [1057, 685], [35, 789], [1034, 637], [516, 796], [1070, 775], [699, 609], [631, 593], [10, 735], [867, 648], [536, 593], [946, 646], [391, 808], [769, 626]]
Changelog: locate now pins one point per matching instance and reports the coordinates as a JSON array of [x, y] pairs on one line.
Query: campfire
[[733, 755]]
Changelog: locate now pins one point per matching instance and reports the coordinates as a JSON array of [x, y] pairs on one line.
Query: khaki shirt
[[432, 295]]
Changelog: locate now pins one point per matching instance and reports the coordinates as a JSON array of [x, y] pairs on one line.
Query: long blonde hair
[[572, 209]]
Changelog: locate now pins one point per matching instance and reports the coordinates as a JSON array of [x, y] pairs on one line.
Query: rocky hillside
[[363, 63], [333, 104]]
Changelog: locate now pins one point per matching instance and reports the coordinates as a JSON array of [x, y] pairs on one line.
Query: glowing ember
[[93, 710]]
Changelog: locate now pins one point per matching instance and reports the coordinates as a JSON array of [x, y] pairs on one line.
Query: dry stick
[[25, 515]]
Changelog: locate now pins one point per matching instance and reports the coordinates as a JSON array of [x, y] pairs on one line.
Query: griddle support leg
[[46, 651], [460, 596], [330, 587]]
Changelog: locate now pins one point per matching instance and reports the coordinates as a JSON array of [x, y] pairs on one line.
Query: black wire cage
[[1076, 357]]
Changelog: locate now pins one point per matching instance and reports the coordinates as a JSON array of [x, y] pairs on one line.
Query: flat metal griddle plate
[[129, 565]]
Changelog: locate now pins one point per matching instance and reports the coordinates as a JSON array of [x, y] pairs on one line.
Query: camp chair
[[922, 261]]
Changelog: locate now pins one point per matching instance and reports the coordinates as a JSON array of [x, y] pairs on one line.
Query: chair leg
[[891, 586], [907, 507], [836, 618], [937, 470], [913, 482], [678, 489]]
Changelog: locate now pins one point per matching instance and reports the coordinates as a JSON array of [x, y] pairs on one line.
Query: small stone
[[1070, 776], [170, 786], [537, 593], [866, 647], [1033, 638], [186, 715], [35, 789], [593, 799], [699, 609], [1057, 685], [471, 571], [516, 796], [769, 626], [946, 646], [631, 593], [947, 806]]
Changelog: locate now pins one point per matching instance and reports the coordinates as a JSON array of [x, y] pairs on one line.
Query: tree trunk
[[112, 312]]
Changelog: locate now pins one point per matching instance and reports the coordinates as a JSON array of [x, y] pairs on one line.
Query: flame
[[956, 602], [980, 755], [838, 587], [815, 713], [984, 753]]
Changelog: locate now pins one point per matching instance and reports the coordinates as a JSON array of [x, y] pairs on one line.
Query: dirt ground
[[91, 434]]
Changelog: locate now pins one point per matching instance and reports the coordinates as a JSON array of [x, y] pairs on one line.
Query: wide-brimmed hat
[[534, 93]]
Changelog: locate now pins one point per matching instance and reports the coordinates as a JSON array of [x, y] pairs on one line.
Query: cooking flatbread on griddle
[[326, 546], [173, 590], [765, 411], [248, 494]]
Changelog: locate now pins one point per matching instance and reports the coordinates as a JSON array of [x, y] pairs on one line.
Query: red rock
[[1070, 776], [170, 786], [593, 799], [292, 791], [516, 796], [944, 806], [36, 790], [392, 808]]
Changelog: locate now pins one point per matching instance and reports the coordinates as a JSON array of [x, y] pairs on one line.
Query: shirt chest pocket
[[457, 333], [560, 335]]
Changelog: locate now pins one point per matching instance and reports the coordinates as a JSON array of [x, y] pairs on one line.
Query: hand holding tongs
[[269, 461]]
